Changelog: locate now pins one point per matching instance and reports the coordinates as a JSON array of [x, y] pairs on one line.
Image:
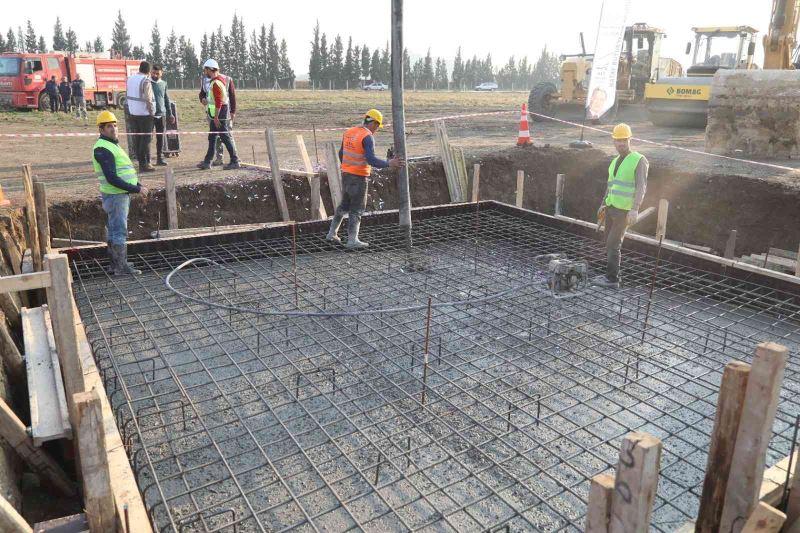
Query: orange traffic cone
[[524, 137]]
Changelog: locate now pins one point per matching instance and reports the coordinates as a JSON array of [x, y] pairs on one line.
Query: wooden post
[[723, 442], [559, 194], [172, 201], [10, 354], [754, 432], [764, 519], [730, 246], [64, 318], [10, 519], [661, 226], [331, 153], [520, 187], [598, 509], [317, 207], [13, 431], [30, 217], [797, 264], [42, 217], [476, 182], [275, 170], [635, 484], [97, 495]]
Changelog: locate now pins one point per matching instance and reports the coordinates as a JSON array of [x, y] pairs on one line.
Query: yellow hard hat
[[375, 115], [105, 117], [621, 131]]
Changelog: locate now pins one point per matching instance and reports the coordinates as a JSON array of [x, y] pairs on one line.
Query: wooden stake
[[635, 484], [559, 210], [797, 264], [520, 187], [730, 246], [754, 432], [764, 519], [277, 181], [599, 506], [13, 431], [30, 217], [317, 207], [331, 153], [730, 403], [97, 495], [10, 519], [172, 201], [10, 354], [476, 182], [661, 226], [42, 217]]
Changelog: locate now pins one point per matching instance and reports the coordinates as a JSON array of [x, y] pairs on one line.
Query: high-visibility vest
[[622, 185], [123, 163], [134, 95], [354, 157], [222, 83]]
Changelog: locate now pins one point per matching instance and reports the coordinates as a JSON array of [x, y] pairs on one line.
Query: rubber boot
[[112, 257], [353, 226], [603, 281], [122, 267], [333, 233]]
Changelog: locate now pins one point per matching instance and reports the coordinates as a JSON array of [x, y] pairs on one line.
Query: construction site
[[462, 373]]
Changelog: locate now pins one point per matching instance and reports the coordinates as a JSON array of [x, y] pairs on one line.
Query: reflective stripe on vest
[[212, 105], [354, 157], [622, 185], [124, 167]]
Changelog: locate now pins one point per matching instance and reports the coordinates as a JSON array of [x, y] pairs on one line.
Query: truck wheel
[[540, 100], [44, 102], [121, 101]]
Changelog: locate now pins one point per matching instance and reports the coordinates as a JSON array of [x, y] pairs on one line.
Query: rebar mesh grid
[[236, 421]]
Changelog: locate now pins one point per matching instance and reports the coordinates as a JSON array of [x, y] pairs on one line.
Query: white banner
[[607, 50]]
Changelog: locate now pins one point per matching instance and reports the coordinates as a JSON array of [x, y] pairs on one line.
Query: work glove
[[601, 212], [633, 214]]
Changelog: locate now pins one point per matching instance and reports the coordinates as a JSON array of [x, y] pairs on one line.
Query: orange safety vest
[[354, 158]]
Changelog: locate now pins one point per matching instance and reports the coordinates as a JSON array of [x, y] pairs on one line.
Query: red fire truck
[[23, 77]]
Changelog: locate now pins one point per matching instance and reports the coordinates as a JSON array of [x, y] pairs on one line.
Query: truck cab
[[23, 78]]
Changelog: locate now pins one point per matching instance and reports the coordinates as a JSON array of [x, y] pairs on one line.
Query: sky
[[500, 27]]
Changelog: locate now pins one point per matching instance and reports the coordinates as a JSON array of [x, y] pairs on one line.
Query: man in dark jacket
[[65, 91], [79, 100], [51, 88], [163, 113]]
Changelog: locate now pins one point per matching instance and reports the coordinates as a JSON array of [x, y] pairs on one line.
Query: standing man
[[141, 108], [118, 181], [231, 88], [65, 91], [627, 184], [51, 87], [79, 99], [357, 155], [163, 111], [218, 109]]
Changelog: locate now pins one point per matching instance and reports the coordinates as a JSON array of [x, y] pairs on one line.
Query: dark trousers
[[55, 102], [223, 134], [66, 105], [354, 196], [158, 122], [616, 224], [141, 143]]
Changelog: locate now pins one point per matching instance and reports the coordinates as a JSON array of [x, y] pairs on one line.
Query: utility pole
[[399, 118]]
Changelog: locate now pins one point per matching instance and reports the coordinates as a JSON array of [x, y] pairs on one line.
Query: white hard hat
[[211, 64]]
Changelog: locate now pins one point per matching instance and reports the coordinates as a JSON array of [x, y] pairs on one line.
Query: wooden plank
[[730, 246], [42, 217], [730, 403], [277, 181], [331, 153], [63, 317], [598, 510], [447, 160], [661, 225], [752, 438], [644, 214], [560, 179], [786, 254], [764, 519], [172, 201], [461, 164], [476, 182], [635, 484], [317, 207], [13, 431], [774, 481], [210, 230], [30, 217], [797, 264], [123, 482], [97, 494], [71, 243], [793, 503], [11, 252], [24, 282], [10, 354], [49, 418], [10, 519], [520, 187]]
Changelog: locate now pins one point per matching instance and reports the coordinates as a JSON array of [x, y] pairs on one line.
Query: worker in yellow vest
[[118, 180], [357, 155], [627, 184]]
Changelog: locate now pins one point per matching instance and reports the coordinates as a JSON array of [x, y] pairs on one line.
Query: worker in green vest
[[118, 181], [627, 183]]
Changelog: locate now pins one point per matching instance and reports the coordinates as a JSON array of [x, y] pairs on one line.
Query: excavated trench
[[704, 207]]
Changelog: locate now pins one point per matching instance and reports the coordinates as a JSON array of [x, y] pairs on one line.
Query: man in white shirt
[[141, 109]]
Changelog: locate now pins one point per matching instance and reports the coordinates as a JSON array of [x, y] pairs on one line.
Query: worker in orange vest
[[357, 155]]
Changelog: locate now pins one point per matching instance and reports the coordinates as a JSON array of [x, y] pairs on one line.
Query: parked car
[[376, 86], [486, 86]]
